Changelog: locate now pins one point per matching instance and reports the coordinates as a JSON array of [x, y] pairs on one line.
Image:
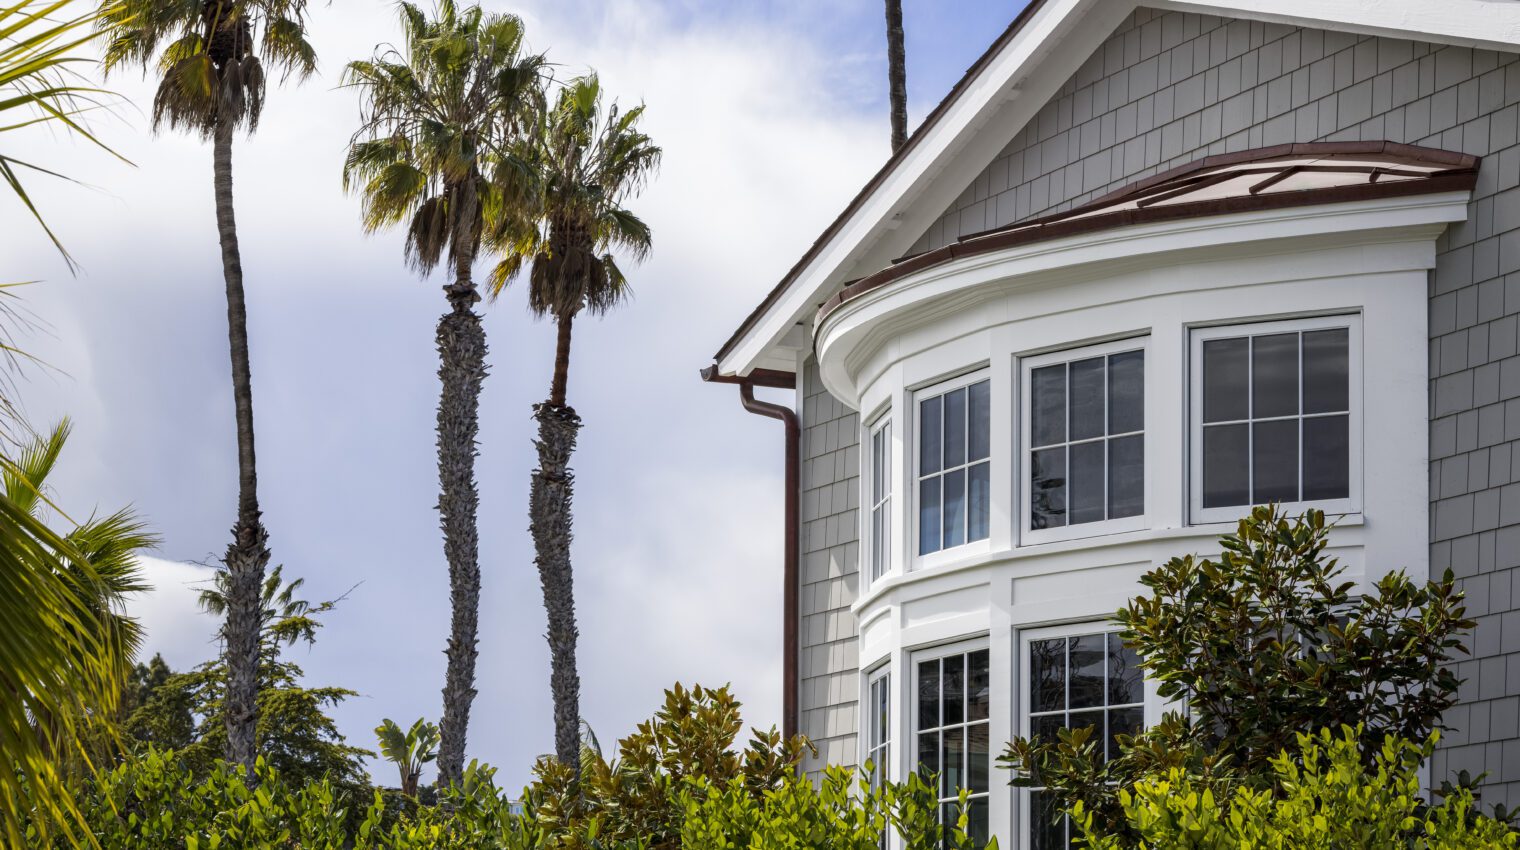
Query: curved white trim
[[858, 328]]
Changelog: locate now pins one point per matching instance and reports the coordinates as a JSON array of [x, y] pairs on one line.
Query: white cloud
[[174, 624]]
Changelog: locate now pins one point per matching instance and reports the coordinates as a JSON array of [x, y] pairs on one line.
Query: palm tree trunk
[[462, 368], [897, 74], [549, 507], [249, 553]]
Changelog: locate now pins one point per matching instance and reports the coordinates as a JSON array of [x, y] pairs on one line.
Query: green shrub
[[1259, 645], [1323, 796]]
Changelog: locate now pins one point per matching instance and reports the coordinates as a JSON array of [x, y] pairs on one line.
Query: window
[[954, 731], [879, 726], [954, 473], [1275, 409], [881, 500], [1075, 678], [1084, 429]]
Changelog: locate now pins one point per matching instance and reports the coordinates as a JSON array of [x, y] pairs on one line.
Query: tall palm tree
[[588, 162], [213, 66], [432, 154], [897, 75]]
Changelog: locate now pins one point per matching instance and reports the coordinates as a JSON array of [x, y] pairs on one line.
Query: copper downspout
[[792, 539]]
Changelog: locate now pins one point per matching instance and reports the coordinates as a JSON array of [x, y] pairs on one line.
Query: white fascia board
[[1488, 24], [982, 100], [846, 336]]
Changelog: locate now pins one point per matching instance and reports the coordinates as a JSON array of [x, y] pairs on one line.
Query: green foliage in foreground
[[1261, 644], [677, 782], [1324, 796]]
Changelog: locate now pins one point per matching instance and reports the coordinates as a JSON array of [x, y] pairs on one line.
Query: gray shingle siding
[[829, 662], [1167, 88]]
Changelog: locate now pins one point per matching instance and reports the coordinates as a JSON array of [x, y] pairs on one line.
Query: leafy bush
[[1322, 794], [678, 782], [1260, 645]]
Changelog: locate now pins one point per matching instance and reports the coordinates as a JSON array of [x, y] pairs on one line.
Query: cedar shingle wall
[[1168, 88], [829, 661]]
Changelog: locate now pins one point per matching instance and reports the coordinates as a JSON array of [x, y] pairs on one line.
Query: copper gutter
[[792, 533]]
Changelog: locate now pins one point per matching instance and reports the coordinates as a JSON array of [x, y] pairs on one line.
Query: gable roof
[[1022, 69]]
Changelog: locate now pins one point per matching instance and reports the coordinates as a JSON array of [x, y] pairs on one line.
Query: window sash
[[968, 472], [1028, 534], [1199, 430], [879, 499], [968, 773]]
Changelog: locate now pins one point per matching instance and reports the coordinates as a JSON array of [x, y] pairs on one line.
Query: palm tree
[[409, 751], [588, 163], [432, 155], [61, 642], [213, 65], [897, 75]]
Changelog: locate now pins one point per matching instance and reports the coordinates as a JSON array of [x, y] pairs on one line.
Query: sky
[[771, 116]]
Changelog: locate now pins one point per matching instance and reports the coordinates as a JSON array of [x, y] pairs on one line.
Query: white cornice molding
[[850, 335]]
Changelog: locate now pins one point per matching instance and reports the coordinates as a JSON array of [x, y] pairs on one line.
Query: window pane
[[1047, 403], [979, 419], [1047, 674], [1327, 457], [928, 753], [979, 501], [978, 685], [1226, 469], [953, 686], [1326, 370], [1087, 399], [1123, 721], [976, 822], [1224, 379], [1089, 719], [978, 755], [1126, 476], [1089, 660], [1274, 375], [928, 694], [929, 423], [1126, 392], [878, 542], [1048, 830], [882, 691], [955, 428], [1046, 727], [1274, 461], [1125, 678], [928, 516], [955, 508], [1047, 488], [952, 760], [878, 478], [1085, 496]]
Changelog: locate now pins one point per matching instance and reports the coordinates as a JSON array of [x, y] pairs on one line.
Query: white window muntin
[[917, 475], [1352, 323], [1027, 365], [879, 498], [974, 725], [1150, 705]]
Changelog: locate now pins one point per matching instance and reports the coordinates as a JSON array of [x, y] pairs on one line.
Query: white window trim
[[912, 476], [882, 424], [909, 744], [1356, 442], [1155, 706], [1030, 536]]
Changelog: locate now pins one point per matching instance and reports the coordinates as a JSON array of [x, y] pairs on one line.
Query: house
[[1148, 264]]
